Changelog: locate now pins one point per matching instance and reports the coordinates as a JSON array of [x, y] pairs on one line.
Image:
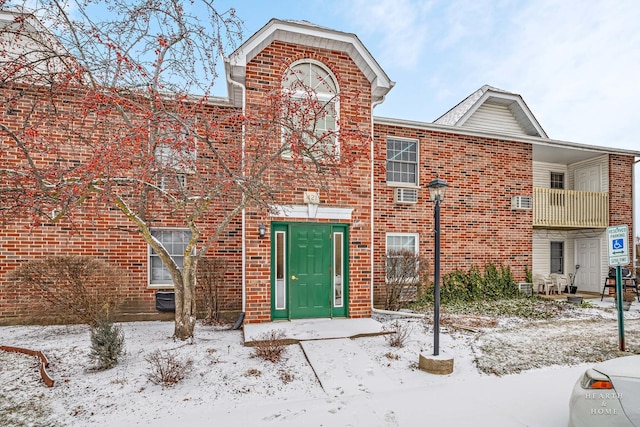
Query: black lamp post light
[[437, 190], [436, 364]]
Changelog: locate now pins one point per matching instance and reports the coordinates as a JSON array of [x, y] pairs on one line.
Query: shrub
[[494, 283], [405, 271], [400, 332], [271, 346], [107, 344], [166, 369], [211, 273], [79, 289]]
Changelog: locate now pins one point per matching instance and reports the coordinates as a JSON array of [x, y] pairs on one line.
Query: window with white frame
[[314, 112], [397, 243], [402, 161], [557, 180], [175, 155], [175, 242]]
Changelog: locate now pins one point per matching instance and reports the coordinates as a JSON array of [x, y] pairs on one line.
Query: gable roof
[[307, 34], [494, 110]]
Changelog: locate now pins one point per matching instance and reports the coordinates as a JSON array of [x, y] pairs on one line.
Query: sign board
[[618, 245]]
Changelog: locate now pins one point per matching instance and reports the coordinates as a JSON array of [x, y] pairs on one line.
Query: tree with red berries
[[108, 106]]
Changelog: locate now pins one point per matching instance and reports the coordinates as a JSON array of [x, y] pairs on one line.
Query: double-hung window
[[402, 161], [175, 156], [175, 242], [557, 257], [557, 183], [397, 243]]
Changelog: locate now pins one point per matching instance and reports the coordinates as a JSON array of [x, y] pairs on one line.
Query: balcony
[[570, 209]]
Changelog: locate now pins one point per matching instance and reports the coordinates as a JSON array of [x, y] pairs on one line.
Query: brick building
[[515, 197]]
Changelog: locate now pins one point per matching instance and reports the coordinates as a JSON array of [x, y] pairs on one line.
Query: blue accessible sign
[[618, 245]]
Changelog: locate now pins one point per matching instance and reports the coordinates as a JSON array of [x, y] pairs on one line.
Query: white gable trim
[[516, 105], [314, 36]]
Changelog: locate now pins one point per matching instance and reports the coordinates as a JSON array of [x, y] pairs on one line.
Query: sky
[[576, 63]]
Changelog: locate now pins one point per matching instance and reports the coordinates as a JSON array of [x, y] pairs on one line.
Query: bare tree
[[114, 109], [406, 271]]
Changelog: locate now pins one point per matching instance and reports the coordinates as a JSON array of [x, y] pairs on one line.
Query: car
[[608, 394]]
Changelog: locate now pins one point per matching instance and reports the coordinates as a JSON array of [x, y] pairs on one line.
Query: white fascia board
[[503, 137]]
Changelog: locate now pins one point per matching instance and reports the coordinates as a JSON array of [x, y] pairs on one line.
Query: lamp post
[[437, 189]]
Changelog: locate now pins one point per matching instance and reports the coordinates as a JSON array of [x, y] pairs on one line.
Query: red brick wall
[[97, 230], [621, 192], [349, 190], [477, 223]]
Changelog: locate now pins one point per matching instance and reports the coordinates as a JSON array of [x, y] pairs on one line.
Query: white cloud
[[399, 25], [578, 66]]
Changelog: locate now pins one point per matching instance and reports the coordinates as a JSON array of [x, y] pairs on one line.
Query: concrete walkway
[[341, 366], [532, 399], [312, 329]]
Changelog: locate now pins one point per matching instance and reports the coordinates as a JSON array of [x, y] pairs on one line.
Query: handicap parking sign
[[617, 244], [618, 247]]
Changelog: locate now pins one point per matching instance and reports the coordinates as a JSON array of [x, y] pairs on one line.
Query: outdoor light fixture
[[437, 190], [262, 230]]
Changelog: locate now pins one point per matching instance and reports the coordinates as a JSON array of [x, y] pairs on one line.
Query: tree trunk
[[185, 319]]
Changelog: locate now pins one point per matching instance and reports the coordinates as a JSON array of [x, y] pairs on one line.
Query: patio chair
[[544, 283], [561, 281]]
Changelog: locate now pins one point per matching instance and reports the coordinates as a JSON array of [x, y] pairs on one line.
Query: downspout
[[634, 216], [371, 202], [244, 213]]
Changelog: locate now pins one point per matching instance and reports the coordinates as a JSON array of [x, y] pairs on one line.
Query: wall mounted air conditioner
[[405, 195], [521, 202]]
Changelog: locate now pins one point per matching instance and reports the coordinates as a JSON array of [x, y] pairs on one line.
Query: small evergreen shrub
[[107, 344], [493, 283]]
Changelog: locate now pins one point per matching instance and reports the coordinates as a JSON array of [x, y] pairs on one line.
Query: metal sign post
[[618, 248]]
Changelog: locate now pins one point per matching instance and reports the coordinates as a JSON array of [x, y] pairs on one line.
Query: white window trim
[[399, 183], [150, 285], [321, 96], [386, 242], [416, 235]]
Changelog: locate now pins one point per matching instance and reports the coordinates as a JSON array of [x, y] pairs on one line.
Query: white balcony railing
[[570, 209]]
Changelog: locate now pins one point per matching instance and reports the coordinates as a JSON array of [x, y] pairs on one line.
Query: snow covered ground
[[228, 383]]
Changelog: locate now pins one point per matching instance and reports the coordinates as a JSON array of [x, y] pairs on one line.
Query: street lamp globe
[[437, 189]]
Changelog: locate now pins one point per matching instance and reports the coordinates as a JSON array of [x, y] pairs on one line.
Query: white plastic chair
[[560, 281], [544, 283]]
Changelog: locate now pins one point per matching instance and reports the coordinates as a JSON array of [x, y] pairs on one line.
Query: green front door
[[309, 274], [310, 271]]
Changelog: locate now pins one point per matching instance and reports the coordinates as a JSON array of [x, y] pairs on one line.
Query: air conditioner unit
[[526, 288], [405, 195], [521, 202]]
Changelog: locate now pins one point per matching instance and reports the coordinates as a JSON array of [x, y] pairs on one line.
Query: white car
[[607, 395]]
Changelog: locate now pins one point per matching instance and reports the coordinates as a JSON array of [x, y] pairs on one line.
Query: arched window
[[312, 116]]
